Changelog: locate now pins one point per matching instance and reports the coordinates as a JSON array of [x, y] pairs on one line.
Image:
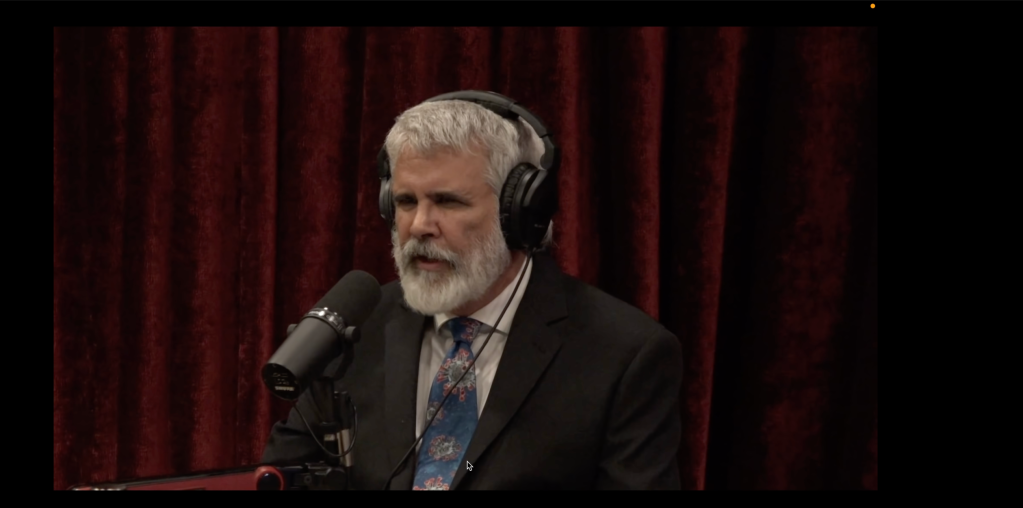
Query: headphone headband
[[507, 108]]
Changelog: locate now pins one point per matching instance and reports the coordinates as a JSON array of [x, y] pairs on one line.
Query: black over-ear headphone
[[529, 196]]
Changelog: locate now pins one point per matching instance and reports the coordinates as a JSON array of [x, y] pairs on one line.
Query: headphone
[[529, 196]]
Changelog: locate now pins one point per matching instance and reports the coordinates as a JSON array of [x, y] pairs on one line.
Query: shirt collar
[[489, 313]]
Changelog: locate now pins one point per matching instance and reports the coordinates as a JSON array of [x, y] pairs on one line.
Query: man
[[573, 389]]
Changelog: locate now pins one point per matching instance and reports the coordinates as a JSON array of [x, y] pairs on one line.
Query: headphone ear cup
[[386, 201], [511, 224], [537, 204]]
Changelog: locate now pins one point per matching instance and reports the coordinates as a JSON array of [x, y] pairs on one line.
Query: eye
[[404, 201]]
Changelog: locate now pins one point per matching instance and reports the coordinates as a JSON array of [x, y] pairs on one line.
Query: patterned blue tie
[[446, 440]]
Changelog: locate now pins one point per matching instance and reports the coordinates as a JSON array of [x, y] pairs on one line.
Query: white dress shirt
[[437, 342]]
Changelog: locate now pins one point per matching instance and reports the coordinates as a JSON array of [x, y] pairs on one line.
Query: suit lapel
[[530, 348], [403, 336]]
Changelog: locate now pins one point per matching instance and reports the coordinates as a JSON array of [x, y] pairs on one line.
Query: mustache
[[414, 248]]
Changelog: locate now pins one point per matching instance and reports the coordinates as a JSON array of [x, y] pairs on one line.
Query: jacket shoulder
[[609, 317]]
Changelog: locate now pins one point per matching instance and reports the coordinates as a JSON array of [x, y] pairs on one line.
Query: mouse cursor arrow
[[468, 466]]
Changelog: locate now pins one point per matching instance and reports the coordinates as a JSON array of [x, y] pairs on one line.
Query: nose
[[424, 224]]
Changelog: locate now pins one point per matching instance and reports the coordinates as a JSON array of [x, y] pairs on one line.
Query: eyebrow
[[449, 195], [437, 195]]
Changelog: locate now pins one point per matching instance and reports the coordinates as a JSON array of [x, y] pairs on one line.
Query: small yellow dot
[[871, 6]]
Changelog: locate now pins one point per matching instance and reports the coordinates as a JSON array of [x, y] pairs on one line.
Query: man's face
[[447, 244]]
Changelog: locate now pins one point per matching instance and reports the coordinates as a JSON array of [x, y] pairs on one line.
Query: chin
[[430, 293]]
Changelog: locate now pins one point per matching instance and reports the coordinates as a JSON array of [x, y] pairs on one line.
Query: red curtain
[[210, 184]]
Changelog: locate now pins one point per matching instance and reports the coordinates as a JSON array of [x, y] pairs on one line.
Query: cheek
[[403, 221], [400, 234], [463, 235]]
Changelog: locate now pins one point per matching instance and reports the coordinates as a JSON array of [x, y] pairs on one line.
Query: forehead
[[442, 168]]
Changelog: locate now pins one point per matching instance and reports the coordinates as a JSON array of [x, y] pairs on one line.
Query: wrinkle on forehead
[[439, 172]]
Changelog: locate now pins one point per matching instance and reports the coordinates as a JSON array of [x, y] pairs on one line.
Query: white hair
[[465, 127]]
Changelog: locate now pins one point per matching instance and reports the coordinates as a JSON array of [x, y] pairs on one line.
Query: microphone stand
[[335, 422]]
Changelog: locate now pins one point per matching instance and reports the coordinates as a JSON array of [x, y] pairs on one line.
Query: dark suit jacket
[[585, 396]]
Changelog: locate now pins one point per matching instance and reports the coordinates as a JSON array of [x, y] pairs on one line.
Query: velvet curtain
[[210, 184]]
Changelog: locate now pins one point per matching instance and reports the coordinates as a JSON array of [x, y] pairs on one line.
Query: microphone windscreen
[[353, 298]]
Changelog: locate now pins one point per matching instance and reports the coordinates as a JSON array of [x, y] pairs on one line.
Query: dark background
[[211, 184]]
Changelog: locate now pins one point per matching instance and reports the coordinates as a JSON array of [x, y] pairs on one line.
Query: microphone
[[317, 339]]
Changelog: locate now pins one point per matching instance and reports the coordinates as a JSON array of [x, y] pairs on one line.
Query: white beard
[[469, 277]]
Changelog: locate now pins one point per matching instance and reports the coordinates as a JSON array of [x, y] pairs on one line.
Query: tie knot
[[464, 329]]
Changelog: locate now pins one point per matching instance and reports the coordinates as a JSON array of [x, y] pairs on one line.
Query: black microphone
[[317, 339]]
